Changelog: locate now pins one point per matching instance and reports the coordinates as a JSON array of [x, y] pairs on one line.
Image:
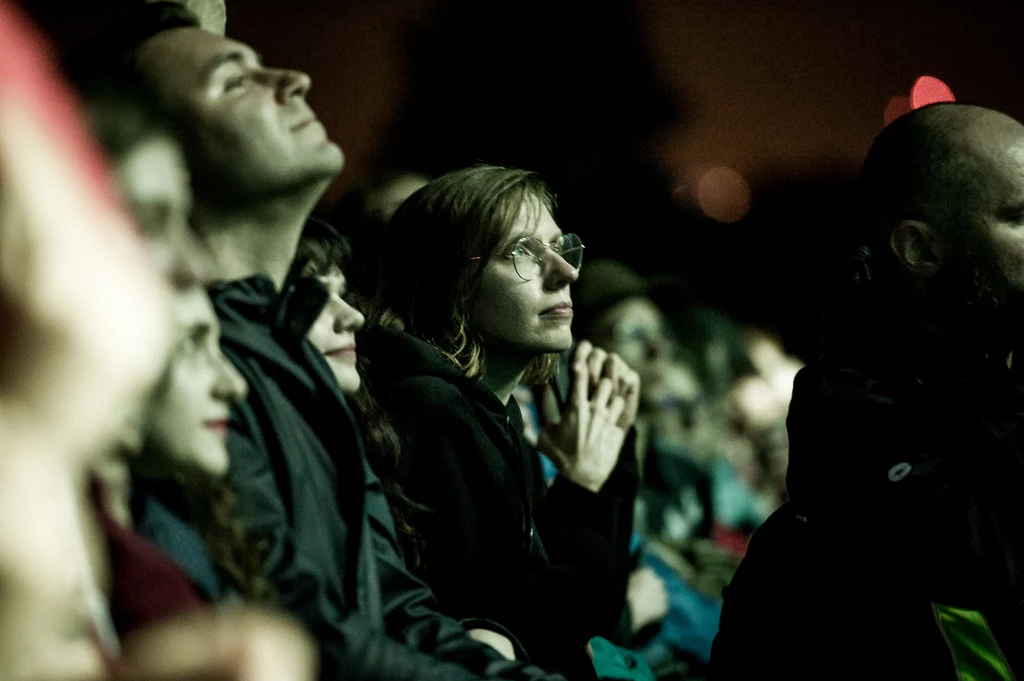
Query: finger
[[580, 383], [595, 365], [632, 379], [615, 409], [603, 395], [611, 368], [619, 373], [583, 349]]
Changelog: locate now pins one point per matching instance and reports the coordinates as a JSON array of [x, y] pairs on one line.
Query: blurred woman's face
[[334, 331], [634, 329], [154, 185], [189, 412], [525, 318]]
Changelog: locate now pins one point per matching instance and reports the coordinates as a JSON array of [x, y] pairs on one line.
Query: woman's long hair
[[320, 249], [438, 243], [237, 554]]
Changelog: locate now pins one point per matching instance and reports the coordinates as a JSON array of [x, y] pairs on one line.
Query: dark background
[[622, 105]]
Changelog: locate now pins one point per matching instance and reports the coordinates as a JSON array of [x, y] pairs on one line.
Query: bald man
[[901, 552]]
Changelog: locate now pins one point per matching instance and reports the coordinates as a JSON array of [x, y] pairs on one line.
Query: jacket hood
[[270, 325], [396, 356]]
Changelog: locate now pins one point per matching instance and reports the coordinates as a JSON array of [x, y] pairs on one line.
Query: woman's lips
[[220, 427], [347, 353], [562, 311]]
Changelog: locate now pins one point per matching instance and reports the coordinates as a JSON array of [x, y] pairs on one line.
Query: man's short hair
[[116, 47]]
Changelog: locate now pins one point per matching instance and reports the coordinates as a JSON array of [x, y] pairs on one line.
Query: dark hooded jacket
[[301, 479], [899, 554], [549, 564]]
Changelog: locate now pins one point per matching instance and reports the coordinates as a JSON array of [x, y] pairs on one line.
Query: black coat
[[906, 475], [301, 479], [551, 566]]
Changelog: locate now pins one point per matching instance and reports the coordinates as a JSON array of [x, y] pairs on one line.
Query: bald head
[[938, 165], [942, 195]]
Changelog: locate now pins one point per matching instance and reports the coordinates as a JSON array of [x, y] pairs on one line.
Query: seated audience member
[[326, 255], [180, 499], [904, 522], [487, 308], [259, 162]]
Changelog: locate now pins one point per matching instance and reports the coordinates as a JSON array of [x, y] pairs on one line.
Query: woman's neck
[[502, 373]]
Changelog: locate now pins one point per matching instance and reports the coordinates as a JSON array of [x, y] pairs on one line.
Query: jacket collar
[[397, 355], [268, 324]]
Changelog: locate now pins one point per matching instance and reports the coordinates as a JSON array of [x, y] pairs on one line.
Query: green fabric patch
[[976, 653], [612, 662]]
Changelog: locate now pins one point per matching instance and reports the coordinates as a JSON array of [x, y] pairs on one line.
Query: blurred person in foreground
[[905, 527], [260, 160], [83, 320], [174, 439]]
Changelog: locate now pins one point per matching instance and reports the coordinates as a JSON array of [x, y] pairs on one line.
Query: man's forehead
[[998, 148], [188, 53]]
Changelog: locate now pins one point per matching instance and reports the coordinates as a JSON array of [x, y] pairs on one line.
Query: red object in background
[[27, 71], [723, 194], [897, 106], [929, 90], [731, 540]]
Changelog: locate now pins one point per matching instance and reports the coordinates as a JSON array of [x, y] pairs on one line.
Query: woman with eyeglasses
[[474, 299]]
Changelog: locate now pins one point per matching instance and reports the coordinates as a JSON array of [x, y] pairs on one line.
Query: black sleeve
[[351, 647], [591, 532], [454, 469], [410, 610]]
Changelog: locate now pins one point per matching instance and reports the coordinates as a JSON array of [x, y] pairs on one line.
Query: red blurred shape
[[723, 194], [929, 90], [897, 106]]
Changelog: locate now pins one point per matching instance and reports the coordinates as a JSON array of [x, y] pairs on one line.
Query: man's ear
[[918, 247]]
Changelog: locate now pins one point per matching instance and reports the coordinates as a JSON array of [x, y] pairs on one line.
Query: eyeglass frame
[[548, 251]]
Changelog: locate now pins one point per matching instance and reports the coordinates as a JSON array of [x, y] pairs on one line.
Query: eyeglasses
[[530, 255]]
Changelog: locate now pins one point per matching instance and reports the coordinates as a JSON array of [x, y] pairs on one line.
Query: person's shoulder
[[429, 394]]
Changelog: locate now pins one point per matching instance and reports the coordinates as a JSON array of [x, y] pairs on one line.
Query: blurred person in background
[[906, 456], [487, 309], [259, 161], [361, 217], [674, 510]]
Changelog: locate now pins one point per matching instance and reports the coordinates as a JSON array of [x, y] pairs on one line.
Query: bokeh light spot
[[897, 106], [929, 90], [723, 194]]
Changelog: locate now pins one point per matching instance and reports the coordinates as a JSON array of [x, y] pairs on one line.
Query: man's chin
[[330, 160]]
